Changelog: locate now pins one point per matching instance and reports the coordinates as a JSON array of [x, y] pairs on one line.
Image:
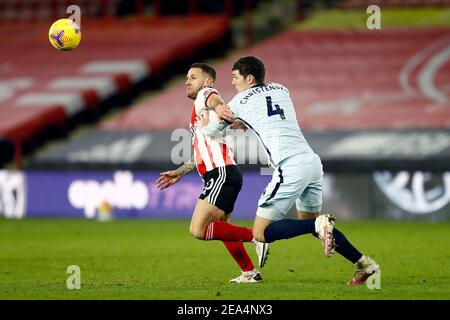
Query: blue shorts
[[297, 180]]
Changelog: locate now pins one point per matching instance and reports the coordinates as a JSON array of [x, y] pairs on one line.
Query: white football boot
[[324, 228], [262, 250], [365, 267], [253, 276]]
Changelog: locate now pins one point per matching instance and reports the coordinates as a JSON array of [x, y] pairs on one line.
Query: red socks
[[233, 238], [237, 251], [222, 230]]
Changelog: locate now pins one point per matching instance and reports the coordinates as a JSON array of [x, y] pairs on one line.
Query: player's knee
[[197, 232]]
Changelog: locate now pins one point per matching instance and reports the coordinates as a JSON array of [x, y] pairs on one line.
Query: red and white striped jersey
[[210, 152]]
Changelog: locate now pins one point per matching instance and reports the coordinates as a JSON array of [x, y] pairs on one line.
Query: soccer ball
[[64, 34]]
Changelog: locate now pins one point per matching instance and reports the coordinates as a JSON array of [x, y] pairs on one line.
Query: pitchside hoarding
[[340, 151], [129, 194], [125, 194]]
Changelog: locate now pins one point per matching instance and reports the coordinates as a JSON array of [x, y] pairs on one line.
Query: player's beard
[[193, 94]]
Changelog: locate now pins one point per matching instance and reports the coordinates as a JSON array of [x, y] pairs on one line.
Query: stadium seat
[[43, 87], [339, 80]]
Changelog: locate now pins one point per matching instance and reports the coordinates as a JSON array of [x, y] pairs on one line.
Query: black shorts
[[222, 186]]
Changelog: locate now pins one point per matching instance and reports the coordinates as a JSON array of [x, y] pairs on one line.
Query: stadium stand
[[339, 80], [44, 10], [42, 87], [6, 150], [373, 104], [352, 89]]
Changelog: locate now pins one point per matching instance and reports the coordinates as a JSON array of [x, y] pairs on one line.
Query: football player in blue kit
[[267, 109]]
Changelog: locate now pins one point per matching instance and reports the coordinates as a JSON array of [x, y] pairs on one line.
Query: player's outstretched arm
[[211, 125], [169, 178], [223, 111]]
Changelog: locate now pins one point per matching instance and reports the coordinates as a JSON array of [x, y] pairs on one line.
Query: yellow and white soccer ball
[[64, 34]]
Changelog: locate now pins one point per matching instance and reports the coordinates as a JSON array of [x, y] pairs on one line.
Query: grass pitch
[[130, 259]]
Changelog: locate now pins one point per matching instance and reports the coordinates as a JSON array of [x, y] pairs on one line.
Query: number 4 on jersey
[[271, 111]]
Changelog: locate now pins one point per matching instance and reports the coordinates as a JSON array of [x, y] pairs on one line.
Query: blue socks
[[345, 248], [288, 228]]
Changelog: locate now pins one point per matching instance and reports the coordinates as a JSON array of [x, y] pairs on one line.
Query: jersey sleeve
[[202, 98]]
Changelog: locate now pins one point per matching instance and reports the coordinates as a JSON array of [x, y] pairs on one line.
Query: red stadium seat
[[42, 87], [339, 80]]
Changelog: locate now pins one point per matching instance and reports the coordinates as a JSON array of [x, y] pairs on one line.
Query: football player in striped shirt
[[214, 161]]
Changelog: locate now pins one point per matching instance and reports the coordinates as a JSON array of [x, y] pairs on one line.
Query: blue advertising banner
[[126, 194], [104, 195]]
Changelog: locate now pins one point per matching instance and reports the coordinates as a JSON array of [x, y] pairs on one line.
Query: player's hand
[[224, 112], [238, 124], [167, 179]]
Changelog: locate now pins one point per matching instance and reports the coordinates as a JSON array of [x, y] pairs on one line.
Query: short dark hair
[[251, 65], [206, 68]]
